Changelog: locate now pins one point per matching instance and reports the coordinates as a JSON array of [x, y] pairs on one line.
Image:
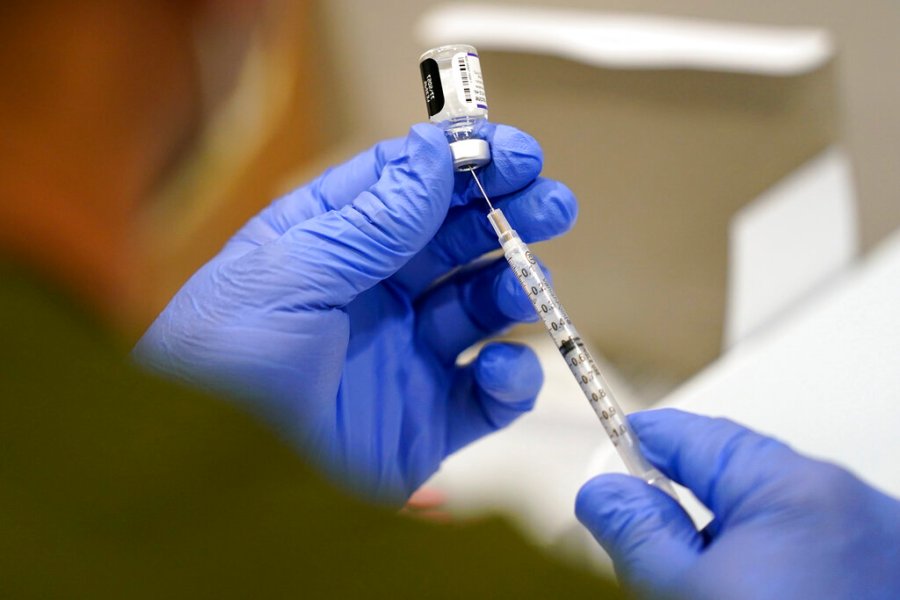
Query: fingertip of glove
[[517, 157], [387, 150], [511, 299], [509, 372], [427, 152], [646, 420], [566, 204], [550, 209], [426, 137], [603, 495], [423, 168], [514, 141]]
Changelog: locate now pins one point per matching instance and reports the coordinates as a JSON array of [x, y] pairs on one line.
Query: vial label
[[431, 84], [469, 82]]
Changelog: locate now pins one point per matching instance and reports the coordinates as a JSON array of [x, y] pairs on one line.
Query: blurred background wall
[[660, 160], [868, 59]]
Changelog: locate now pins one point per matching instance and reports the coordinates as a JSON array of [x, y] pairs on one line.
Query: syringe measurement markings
[[567, 340], [580, 362]]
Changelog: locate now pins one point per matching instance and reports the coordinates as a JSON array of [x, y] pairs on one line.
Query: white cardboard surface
[[789, 242], [629, 41]]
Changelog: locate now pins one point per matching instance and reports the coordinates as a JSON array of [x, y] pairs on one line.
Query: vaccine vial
[[456, 101]]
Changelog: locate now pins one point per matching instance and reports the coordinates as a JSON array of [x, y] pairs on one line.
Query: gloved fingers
[[469, 307], [516, 160], [543, 210], [340, 185], [724, 464], [498, 387], [650, 538], [325, 262], [333, 189]]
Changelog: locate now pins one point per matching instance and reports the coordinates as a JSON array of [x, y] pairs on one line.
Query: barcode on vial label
[[464, 77], [469, 81]]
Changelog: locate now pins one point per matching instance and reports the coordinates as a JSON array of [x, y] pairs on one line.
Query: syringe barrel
[[574, 352]]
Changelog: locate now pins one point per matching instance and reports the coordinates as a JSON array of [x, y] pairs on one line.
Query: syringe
[[524, 264], [457, 102]]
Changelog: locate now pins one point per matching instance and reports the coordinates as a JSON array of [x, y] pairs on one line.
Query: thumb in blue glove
[[338, 312], [785, 526]]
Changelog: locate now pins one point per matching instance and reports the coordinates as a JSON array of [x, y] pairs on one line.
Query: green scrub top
[[114, 483]]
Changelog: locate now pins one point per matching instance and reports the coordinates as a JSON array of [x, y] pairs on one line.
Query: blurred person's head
[[98, 100]]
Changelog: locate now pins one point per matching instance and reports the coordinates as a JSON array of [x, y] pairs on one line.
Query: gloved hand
[[785, 526], [323, 314]]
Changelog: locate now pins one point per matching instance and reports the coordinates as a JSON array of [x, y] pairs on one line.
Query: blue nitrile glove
[[324, 314], [786, 526]]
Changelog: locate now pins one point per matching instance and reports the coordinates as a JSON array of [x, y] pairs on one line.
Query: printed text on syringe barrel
[[570, 345]]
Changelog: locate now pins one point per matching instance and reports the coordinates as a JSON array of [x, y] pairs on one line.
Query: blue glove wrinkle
[[414, 190], [332, 258], [340, 185], [385, 152]]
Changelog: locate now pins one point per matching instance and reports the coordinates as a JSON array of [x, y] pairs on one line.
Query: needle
[[480, 187]]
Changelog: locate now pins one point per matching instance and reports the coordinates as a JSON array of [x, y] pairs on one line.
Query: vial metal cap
[[470, 153]]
